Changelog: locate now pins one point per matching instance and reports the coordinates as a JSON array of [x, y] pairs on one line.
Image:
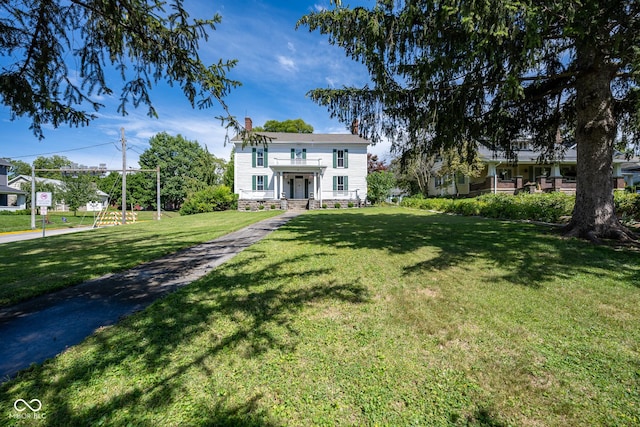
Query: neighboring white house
[[10, 198], [301, 169], [18, 181]]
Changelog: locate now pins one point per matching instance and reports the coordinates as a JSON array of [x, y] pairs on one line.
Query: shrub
[[272, 206], [261, 207], [337, 206], [350, 204], [210, 199], [627, 205], [324, 206]]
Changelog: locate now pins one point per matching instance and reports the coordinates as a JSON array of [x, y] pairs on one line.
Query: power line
[[62, 151]]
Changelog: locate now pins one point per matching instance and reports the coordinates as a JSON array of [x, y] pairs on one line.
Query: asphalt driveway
[[43, 327]]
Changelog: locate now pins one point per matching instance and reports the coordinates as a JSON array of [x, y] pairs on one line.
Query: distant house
[[10, 198], [18, 181], [303, 170], [529, 175]]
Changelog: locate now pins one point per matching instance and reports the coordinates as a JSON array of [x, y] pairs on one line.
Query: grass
[[12, 223], [42, 265], [369, 317]]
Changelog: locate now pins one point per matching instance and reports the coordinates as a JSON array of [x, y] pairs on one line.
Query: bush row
[[18, 212], [547, 207]]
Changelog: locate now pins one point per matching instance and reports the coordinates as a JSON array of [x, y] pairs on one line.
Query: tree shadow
[[256, 303], [526, 254]]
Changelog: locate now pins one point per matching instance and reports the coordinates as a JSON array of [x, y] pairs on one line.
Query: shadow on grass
[[39, 266], [160, 352], [526, 254]]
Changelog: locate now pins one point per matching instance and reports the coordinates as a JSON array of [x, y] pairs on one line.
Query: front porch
[[532, 179]]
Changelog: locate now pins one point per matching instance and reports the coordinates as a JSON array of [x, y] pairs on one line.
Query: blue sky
[[277, 66]]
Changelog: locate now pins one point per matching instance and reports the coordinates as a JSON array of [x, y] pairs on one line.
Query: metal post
[[33, 197], [124, 178], [158, 192]]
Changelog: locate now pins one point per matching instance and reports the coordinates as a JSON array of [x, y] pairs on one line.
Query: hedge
[[547, 207]]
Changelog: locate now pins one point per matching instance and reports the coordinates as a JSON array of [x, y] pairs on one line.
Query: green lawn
[[369, 317], [11, 223], [42, 265]]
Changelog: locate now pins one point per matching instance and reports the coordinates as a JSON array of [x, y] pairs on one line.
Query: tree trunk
[[594, 213]]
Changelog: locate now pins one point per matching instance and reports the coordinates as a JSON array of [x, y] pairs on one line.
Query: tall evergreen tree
[[59, 52], [489, 71]]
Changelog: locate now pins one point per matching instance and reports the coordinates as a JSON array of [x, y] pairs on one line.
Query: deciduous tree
[[379, 185], [287, 126], [489, 71], [185, 166]]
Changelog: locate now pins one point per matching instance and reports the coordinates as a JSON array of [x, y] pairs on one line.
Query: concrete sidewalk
[[37, 234], [43, 327]]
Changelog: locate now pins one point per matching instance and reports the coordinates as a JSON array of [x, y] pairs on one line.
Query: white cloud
[[291, 47], [287, 63]]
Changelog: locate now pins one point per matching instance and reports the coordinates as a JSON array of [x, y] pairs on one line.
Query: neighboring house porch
[[528, 175]]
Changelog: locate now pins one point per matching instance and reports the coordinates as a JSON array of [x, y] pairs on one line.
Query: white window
[[260, 183], [341, 186], [260, 157], [340, 158]]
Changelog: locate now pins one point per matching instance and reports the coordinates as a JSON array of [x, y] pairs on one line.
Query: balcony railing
[[297, 162]]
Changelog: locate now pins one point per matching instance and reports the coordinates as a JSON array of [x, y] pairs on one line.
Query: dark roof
[[282, 137], [5, 189], [4, 162]]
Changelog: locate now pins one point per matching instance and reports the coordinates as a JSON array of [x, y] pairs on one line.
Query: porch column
[[281, 179], [315, 185], [556, 177], [492, 176]]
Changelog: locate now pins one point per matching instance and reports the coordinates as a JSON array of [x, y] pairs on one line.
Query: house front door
[[298, 188]]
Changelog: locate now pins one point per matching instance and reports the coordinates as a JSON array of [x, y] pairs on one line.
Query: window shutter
[[335, 182], [265, 181], [346, 160], [335, 158], [293, 153], [346, 182], [304, 153], [253, 182], [253, 158], [266, 157]]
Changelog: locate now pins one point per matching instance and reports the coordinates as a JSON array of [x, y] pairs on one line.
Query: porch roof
[[5, 189], [298, 168]]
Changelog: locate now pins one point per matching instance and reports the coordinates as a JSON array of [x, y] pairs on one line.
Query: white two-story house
[[304, 170]]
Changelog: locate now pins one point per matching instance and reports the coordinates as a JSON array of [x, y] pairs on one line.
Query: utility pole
[[124, 177]]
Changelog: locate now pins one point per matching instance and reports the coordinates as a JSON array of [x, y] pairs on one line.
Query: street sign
[[43, 210], [94, 207], [43, 198]]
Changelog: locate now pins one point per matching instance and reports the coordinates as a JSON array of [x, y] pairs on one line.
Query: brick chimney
[[354, 127], [248, 124]]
